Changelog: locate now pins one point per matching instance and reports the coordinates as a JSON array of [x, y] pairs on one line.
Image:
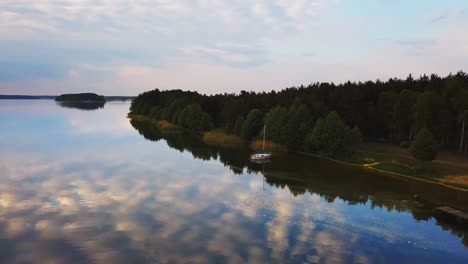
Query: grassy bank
[[218, 138], [222, 140], [161, 124], [269, 145], [448, 168], [430, 173]]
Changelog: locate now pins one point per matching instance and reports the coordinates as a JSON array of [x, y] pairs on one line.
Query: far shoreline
[[52, 97]]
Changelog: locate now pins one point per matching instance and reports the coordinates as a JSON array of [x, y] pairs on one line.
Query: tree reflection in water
[[304, 174], [82, 105]]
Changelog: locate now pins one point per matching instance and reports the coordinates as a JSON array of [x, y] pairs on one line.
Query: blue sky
[[117, 47]]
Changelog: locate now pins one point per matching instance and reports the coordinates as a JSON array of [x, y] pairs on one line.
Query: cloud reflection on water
[[182, 215]]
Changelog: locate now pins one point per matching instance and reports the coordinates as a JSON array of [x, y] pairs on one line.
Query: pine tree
[[351, 140], [238, 126], [275, 119], [205, 123], [295, 130], [154, 112], [252, 124], [315, 138], [328, 136]]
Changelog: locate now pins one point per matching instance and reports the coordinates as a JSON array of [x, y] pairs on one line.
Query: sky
[[117, 47]]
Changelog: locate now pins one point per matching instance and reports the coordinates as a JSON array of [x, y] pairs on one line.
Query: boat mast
[[264, 126]]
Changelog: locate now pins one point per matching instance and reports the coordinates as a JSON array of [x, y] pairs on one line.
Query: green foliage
[[352, 140], [330, 136], [424, 147], [402, 120], [205, 123], [298, 124], [182, 117], [175, 116], [231, 109], [386, 102], [391, 110], [405, 144], [238, 126], [315, 139], [155, 112], [192, 117], [145, 108], [427, 111], [172, 109], [252, 124], [162, 114], [275, 119], [228, 127]]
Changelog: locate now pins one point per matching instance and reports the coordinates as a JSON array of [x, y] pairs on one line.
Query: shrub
[[405, 144], [424, 147]]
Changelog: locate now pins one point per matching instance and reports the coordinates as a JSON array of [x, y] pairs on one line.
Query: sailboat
[[261, 155]]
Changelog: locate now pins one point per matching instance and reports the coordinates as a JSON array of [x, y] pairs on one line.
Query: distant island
[[80, 97], [52, 97]]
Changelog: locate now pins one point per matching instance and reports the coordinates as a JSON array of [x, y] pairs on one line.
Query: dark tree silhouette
[[424, 147], [252, 124], [386, 111]]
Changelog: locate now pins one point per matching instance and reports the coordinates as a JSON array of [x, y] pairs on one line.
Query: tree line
[[80, 97], [325, 117]]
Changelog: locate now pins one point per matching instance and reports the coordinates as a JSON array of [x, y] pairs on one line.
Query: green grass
[[397, 168], [359, 159], [448, 169], [407, 166], [392, 165]]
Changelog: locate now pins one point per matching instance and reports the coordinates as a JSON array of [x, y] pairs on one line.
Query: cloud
[[437, 17], [418, 44], [229, 54], [161, 24], [262, 11], [455, 13], [46, 45]]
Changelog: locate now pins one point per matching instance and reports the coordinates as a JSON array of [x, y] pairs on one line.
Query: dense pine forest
[[326, 117]]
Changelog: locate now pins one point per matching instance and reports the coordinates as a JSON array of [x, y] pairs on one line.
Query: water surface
[[91, 186]]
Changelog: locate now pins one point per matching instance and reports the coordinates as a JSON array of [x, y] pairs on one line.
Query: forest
[[80, 97], [325, 117]]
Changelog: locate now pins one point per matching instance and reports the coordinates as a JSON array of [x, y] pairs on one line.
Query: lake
[[84, 184]]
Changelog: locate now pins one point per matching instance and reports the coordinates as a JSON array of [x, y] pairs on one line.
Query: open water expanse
[[85, 185]]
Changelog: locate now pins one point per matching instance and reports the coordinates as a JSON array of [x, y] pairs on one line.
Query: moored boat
[[261, 155]]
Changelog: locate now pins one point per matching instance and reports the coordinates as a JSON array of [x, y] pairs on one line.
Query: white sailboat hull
[[261, 156]]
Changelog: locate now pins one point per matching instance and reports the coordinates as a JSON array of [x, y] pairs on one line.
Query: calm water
[[89, 186]]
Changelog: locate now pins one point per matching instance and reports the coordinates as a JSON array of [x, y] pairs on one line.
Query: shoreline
[[388, 173], [251, 143]]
